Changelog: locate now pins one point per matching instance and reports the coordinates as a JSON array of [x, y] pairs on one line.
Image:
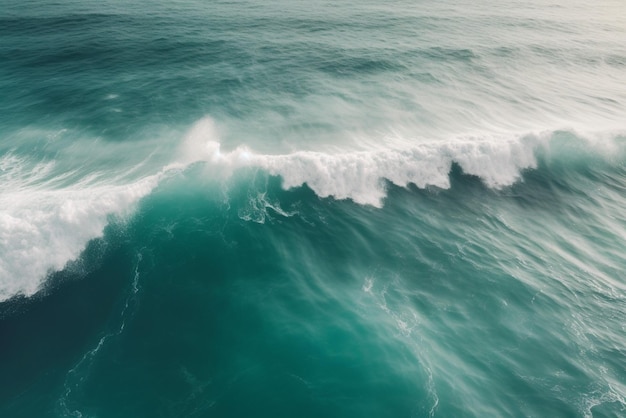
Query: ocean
[[236, 208]]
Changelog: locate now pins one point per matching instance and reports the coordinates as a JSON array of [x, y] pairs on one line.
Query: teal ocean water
[[312, 209]]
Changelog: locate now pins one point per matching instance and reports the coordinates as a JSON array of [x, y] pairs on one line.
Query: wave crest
[[498, 160]]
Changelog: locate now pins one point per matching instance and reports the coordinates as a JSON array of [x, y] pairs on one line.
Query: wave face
[[318, 210]]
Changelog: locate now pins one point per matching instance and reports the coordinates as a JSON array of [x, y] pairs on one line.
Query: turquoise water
[[312, 209]]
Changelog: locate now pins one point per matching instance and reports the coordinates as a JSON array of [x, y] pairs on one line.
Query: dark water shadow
[[42, 336]]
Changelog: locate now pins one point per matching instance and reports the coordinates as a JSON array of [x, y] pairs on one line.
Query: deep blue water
[[312, 209]]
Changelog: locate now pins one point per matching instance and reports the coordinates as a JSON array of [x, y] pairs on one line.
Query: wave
[[47, 216]]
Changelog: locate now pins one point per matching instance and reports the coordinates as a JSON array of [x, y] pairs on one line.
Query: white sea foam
[[43, 227], [359, 175], [497, 159]]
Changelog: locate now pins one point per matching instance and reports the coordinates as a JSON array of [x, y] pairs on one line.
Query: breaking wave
[[46, 220]]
